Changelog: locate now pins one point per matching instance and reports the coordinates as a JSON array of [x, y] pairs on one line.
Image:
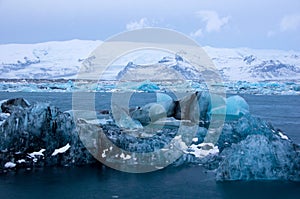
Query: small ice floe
[[125, 157], [9, 165], [284, 137], [203, 149], [61, 150], [195, 139]]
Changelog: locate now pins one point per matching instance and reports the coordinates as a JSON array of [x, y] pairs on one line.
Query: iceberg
[[167, 102], [148, 86], [35, 135], [236, 107]]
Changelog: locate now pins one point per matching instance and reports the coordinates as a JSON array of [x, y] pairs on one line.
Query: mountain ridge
[[63, 59]]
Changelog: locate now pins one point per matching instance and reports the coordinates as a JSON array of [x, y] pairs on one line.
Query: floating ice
[[236, 107], [148, 86], [167, 102], [247, 149]]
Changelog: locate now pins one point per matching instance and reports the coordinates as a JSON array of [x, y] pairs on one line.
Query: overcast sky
[[218, 23]]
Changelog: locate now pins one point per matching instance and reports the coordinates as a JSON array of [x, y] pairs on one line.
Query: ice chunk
[[167, 102], [259, 158], [236, 107], [149, 113], [9, 165], [61, 150], [148, 86], [217, 104], [123, 120]]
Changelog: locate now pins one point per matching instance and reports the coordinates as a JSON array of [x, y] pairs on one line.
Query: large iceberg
[[248, 148]]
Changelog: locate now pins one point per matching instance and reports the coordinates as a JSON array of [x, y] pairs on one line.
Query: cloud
[[213, 21], [290, 22], [197, 33], [142, 23]]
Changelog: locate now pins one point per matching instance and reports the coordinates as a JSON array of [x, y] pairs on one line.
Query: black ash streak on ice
[[250, 148]]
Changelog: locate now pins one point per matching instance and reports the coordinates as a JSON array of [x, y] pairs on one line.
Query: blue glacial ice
[[239, 87], [36, 135]]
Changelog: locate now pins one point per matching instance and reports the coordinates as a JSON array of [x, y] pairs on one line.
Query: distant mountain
[[55, 60]]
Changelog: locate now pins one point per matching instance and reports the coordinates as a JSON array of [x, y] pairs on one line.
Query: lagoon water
[[97, 181]]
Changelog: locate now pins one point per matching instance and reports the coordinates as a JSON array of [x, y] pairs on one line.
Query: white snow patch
[[21, 161], [195, 139], [125, 157], [284, 137], [203, 149], [61, 150], [39, 153], [9, 165], [179, 143], [103, 154]]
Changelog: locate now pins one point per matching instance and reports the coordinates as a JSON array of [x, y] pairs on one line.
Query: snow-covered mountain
[[55, 60], [49, 60], [256, 65]]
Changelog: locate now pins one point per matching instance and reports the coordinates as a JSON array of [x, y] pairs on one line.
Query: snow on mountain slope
[[48, 60], [55, 60], [255, 65]]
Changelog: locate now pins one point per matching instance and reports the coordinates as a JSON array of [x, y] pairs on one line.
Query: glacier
[[37, 135]]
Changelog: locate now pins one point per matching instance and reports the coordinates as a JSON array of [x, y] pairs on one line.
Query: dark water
[[183, 182]]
